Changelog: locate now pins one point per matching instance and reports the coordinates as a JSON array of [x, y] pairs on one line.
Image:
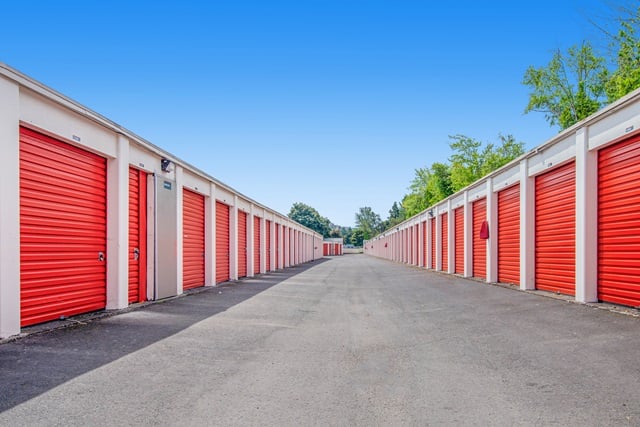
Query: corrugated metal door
[[445, 242], [268, 244], [137, 236], [459, 240], [223, 248], [325, 249], [555, 230], [433, 243], [193, 240], [256, 245], [62, 229], [242, 244], [479, 208], [619, 223], [509, 235]]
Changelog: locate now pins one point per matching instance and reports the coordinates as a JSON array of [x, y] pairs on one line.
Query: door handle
[[136, 254], [100, 256]]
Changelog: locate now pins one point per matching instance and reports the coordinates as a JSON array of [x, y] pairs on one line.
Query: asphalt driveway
[[352, 340]]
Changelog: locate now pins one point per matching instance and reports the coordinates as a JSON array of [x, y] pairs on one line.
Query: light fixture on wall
[[167, 165], [430, 213]]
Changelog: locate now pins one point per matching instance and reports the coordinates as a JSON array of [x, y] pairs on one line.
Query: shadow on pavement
[[34, 364]]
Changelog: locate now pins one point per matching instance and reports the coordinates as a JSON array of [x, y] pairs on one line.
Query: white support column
[[430, 231], [421, 244], [233, 239], [118, 227], [9, 210], [291, 247], [272, 245], [492, 241], [468, 236], [281, 246], [438, 239], [451, 236], [287, 260], [527, 228], [586, 219], [250, 243], [180, 230], [263, 243], [210, 237]]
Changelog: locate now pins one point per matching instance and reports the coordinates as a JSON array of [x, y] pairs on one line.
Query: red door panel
[[62, 229], [137, 236], [509, 235], [619, 223], [268, 244], [193, 240], [479, 208], [242, 244], [459, 240], [223, 247], [555, 230], [433, 243], [445, 242]]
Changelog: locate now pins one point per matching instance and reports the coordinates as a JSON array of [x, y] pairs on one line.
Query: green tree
[[335, 232], [471, 161], [466, 161], [396, 215], [413, 203], [570, 88], [357, 237], [309, 217], [626, 45], [439, 186], [368, 221]]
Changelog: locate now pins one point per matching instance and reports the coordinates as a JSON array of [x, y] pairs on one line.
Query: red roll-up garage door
[[223, 247], [268, 244], [459, 240], [242, 244], [433, 243], [62, 229], [509, 235], [256, 245], [445, 242], [193, 240], [479, 245], [137, 236], [555, 230], [619, 223]]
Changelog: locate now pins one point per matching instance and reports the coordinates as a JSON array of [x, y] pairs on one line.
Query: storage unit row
[[332, 247], [564, 217], [94, 217]]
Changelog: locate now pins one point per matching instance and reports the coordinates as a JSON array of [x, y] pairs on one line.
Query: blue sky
[[332, 103]]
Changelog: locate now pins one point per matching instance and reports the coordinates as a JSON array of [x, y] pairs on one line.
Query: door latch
[[136, 254], [100, 256]]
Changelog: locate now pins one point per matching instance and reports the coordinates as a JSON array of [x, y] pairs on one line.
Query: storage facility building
[[563, 218], [332, 246], [94, 217]]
